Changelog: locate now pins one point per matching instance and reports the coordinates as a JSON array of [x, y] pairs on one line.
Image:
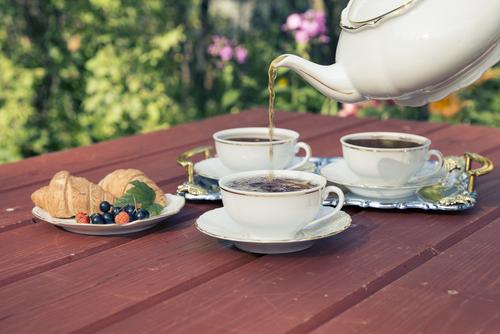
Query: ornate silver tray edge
[[459, 176]]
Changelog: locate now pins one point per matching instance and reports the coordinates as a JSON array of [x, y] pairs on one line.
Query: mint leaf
[[154, 209], [140, 194]]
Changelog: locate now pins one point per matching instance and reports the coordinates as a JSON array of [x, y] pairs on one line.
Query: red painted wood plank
[[17, 206], [133, 304], [289, 292], [43, 299], [41, 246], [457, 291], [281, 293], [177, 256], [22, 263]]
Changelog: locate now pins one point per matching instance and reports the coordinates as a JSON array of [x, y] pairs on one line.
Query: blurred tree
[[77, 72]]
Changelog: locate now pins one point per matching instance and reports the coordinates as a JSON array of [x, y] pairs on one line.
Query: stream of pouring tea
[[271, 74], [270, 87]]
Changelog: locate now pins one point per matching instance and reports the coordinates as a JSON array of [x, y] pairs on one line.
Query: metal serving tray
[[454, 192]]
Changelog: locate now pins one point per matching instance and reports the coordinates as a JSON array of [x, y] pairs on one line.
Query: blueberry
[[131, 217], [108, 218], [142, 214], [129, 209], [104, 206], [116, 210], [97, 219]]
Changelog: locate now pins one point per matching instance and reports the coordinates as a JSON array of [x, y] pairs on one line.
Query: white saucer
[[217, 223], [174, 205], [339, 173], [213, 168]]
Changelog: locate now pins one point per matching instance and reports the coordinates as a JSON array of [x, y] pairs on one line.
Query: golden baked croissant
[[66, 195], [118, 182]]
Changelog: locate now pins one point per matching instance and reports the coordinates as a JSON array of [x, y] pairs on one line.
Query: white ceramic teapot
[[410, 51]]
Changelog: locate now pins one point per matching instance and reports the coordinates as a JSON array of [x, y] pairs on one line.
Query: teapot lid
[[359, 13]]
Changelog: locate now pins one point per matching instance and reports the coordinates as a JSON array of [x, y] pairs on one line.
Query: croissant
[[118, 182], [66, 195]]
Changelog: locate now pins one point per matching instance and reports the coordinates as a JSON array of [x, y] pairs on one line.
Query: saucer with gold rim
[[213, 168], [339, 173], [217, 223]]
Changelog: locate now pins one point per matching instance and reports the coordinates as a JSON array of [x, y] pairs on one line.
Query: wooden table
[[392, 272]]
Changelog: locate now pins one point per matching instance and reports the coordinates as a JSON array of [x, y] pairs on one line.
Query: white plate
[[217, 223], [339, 173], [213, 168], [174, 205]]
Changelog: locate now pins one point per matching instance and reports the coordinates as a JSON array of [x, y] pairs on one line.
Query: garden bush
[[78, 72]]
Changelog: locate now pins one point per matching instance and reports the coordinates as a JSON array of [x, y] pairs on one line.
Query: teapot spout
[[330, 80]]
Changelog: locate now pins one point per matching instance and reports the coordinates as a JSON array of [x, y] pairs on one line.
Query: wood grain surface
[[455, 292], [384, 275]]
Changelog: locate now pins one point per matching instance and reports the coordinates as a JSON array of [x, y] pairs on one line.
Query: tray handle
[[486, 167], [183, 160]]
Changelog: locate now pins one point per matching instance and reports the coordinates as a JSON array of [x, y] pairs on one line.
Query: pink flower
[[293, 21], [301, 37], [309, 14], [240, 54], [213, 50], [349, 109], [352, 109], [310, 27], [306, 26], [223, 50], [218, 42], [320, 17], [226, 53]]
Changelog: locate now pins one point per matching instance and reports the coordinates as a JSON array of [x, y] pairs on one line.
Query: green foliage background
[[77, 72]]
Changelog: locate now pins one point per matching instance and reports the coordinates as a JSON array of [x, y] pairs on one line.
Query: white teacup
[[389, 166], [247, 156], [276, 215]]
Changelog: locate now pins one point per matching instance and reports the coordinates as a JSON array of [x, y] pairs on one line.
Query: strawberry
[[122, 218], [82, 218]]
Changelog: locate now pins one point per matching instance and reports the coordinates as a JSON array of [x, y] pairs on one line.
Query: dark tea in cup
[[275, 184]]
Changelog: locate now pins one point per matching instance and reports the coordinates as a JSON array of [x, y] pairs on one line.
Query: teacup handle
[[305, 159], [332, 189], [436, 169], [340, 203]]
